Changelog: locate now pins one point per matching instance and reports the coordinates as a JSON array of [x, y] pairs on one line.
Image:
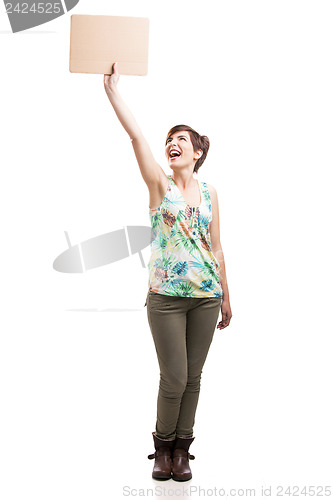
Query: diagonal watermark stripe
[[28, 14], [104, 249]]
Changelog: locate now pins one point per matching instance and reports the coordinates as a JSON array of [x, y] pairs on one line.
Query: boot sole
[[161, 478], [175, 478]]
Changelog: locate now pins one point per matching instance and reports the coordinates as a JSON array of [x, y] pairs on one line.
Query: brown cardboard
[[96, 42]]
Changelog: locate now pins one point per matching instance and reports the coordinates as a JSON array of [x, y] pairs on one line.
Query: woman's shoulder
[[211, 189], [212, 195]]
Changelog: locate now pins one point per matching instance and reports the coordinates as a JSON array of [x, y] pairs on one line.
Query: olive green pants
[[182, 329]]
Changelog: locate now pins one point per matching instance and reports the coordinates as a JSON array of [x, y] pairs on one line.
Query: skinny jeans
[[182, 329]]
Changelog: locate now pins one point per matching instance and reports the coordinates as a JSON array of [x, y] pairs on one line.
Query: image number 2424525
[[26, 15]]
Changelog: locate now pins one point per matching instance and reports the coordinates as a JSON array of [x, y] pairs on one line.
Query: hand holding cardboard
[[111, 82]]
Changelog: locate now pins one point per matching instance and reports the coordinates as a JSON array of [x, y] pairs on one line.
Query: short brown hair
[[198, 142]]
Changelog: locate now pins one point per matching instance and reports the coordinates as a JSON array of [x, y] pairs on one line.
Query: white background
[[79, 380]]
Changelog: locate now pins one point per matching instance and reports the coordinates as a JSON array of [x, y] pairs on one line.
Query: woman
[[187, 281]]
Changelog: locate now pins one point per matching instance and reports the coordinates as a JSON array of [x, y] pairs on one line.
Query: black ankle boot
[[163, 464], [181, 470]]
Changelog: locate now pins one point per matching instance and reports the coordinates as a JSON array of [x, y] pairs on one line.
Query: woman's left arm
[[218, 253]]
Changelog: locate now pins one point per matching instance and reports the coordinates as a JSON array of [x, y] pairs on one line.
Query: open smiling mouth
[[174, 155]]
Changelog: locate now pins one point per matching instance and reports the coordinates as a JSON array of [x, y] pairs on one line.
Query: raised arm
[[151, 171]]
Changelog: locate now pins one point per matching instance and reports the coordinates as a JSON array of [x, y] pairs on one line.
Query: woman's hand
[[226, 315], [110, 81]]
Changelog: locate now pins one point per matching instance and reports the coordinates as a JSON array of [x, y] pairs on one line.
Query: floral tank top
[[181, 261]]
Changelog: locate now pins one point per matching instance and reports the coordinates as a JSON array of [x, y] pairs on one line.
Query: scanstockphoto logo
[[25, 15]]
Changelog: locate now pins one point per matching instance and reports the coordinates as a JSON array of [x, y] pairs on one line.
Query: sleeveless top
[[182, 262]]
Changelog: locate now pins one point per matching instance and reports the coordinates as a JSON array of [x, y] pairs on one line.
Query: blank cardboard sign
[[96, 42]]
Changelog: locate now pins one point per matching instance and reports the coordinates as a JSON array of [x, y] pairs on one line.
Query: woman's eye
[[168, 140]]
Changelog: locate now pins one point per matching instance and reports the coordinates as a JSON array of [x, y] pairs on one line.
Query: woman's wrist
[[112, 93]]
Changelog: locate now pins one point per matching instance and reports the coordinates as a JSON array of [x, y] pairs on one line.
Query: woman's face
[[179, 150]]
